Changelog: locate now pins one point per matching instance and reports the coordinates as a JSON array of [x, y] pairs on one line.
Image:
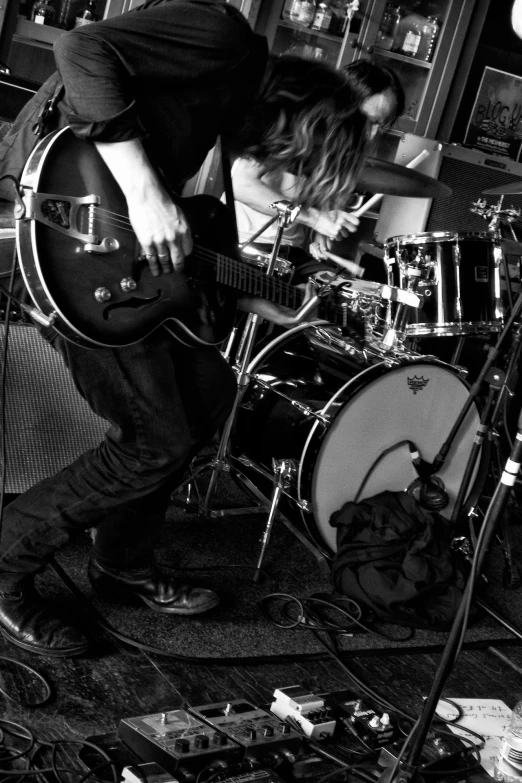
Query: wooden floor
[[91, 695]]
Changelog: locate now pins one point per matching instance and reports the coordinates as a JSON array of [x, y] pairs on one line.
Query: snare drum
[[345, 419], [456, 274]]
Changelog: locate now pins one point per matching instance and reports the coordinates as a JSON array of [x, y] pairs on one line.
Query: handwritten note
[[488, 717]]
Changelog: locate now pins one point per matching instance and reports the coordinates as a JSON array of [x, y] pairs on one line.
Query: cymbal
[[390, 179], [512, 189]]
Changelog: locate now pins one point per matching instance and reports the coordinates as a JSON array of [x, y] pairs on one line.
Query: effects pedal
[[178, 742], [306, 709], [374, 729], [440, 752], [253, 776], [147, 773], [255, 730]]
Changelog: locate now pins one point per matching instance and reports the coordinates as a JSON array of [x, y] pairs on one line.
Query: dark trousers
[[163, 401]]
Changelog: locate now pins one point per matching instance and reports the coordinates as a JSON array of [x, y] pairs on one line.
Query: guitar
[[81, 264]]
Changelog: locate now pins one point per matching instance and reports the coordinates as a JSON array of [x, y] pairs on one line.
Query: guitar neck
[[248, 279], [242, 276]]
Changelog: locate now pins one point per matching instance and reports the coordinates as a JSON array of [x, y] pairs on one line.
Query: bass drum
[[347, 420]]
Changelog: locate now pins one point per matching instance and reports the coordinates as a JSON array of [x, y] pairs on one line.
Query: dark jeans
[[162, 401]]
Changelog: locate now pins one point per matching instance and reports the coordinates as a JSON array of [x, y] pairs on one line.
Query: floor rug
[[222, 553]]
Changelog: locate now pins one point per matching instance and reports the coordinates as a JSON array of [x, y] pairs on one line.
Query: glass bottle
[[306, 12], [429, 32], [508, 766], [43, 12], [66, 14], [285, 13], [322, 18], [294, 10], [388, 27], [87, 14], [409, 34]]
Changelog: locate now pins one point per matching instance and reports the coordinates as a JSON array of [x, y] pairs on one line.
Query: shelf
[[35, 34], [402, 58], [300, 28]]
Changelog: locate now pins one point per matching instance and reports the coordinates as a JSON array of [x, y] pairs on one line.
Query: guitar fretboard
[[254, 281]]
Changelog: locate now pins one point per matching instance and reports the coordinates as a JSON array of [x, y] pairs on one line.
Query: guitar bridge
[[62, 213]]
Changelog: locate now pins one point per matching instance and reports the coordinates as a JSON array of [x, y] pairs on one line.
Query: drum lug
[[461, 371]]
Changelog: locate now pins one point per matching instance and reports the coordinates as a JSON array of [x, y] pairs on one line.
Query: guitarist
[[153, 89]]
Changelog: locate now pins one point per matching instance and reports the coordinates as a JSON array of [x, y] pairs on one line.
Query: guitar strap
[[226, 168]]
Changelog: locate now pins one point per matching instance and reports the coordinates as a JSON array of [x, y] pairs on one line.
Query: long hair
[[306, 120], [367, 78]]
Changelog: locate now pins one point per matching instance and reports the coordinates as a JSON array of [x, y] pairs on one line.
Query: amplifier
[[467, 172], [48, 424]]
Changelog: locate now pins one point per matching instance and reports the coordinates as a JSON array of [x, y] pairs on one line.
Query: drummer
[[382, 101]]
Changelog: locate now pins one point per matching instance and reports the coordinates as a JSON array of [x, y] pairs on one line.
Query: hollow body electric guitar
[[81, 263]]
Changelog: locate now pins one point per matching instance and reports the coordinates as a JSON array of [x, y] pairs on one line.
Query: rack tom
[[457, 276]]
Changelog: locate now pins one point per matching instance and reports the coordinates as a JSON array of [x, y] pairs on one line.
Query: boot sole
[[70, 652]]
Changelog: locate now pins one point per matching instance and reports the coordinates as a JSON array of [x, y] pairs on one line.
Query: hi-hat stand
[[221, 462], [407, 768]]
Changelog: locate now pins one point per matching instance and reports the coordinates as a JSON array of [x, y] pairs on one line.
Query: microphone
[[428, 490], [430, 495]]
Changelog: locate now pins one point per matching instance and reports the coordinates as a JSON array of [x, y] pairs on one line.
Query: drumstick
[[377, 197], [350, 266]]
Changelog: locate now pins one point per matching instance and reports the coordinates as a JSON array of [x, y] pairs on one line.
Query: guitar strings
[[235, 271]]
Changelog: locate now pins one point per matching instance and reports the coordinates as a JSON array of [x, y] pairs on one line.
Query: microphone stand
[[407, 769]]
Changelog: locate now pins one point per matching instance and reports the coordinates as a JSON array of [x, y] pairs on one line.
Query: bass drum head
[[365, 450]]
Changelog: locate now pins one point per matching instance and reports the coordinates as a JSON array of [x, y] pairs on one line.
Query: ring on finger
[[165, 255]]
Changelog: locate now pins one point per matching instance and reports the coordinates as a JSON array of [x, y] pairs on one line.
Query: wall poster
[[495, 124]]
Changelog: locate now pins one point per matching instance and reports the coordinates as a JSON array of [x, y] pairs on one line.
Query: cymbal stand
[[227, 353], [499, 382], [408, 767], [287, 212], [492, 355], [497, 217]]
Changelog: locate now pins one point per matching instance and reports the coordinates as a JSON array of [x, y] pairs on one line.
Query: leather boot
[[27, 621], [159, 591]]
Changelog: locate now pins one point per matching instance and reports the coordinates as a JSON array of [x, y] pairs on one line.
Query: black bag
[[395, 558]]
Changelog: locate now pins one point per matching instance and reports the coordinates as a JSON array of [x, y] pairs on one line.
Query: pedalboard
[[374, 729], [256, 731], [308, 711], [178, 742]]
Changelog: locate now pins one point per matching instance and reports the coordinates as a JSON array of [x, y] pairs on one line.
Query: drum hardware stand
[[287, 213], [497, 380], [283, 470], [231, 340], [497, 217], [407, 768]]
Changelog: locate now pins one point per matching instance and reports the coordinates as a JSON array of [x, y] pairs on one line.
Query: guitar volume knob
[[102, 294], [128, 284]]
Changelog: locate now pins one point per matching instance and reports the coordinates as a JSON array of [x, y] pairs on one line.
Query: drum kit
[[324, 416]]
